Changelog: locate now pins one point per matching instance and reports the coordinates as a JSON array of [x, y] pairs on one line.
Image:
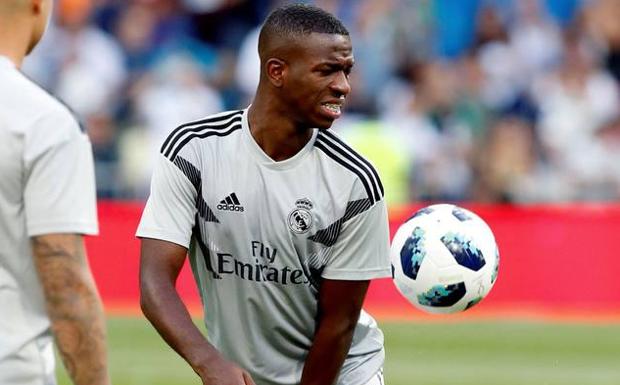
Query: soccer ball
[[444, 259]]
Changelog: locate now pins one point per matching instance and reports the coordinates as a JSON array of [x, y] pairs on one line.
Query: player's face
[[42, 19], [317, 82]]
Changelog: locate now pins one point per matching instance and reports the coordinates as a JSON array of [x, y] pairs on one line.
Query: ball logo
[[300, 219]]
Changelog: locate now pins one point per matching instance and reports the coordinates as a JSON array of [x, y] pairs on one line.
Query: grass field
[[460, 353]]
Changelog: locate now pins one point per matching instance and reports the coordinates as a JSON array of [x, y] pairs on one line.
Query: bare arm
[[160, 264], [73, 306], [340, 303]]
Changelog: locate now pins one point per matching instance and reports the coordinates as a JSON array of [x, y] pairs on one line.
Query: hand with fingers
[[220, 371]]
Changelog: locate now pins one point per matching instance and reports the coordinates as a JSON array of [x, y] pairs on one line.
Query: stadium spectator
[[77, 47], [535, 38], [47, 204], [436, 134], [175, 89], [73, 49], [575, 101], [601, 19], [508, 164], [503, 80]]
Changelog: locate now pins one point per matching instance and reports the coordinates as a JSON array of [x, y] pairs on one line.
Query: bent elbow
[[146, 297]]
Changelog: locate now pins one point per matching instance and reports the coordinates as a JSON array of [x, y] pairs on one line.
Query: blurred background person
[[437, 76]]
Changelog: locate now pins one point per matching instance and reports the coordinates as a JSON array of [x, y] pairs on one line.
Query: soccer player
[[285, 224], [47, 202]]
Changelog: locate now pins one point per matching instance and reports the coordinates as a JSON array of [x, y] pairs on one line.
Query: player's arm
[[340, 303], [160, 265], [360, 254], [60, 206], [73, 306]]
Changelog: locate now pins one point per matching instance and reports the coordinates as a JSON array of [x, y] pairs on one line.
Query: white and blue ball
[[444, 259]]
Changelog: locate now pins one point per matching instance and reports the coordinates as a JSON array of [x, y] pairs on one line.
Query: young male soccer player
[[47, 201], [284, 223]]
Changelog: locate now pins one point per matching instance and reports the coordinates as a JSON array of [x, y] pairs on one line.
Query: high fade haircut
[[295, 20]]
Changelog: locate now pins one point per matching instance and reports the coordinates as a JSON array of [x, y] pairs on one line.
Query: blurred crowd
[[496, 101]]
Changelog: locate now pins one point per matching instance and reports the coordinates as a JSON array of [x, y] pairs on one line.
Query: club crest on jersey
[[300, 219]]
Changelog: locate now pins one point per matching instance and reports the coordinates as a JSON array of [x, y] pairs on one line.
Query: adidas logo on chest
[[230, 203]]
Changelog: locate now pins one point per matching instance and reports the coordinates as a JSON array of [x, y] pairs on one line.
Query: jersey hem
[[357, 274], [365, 370]]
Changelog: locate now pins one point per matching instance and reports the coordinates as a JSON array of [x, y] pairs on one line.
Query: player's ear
[[276, 70], [36, 6]]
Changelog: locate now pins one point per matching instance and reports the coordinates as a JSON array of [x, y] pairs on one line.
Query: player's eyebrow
[[336, 65]]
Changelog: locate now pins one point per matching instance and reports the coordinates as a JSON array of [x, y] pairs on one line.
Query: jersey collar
[[264, 159], [6, 62]]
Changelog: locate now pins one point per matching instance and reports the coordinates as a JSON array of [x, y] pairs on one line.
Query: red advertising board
[[555, 260]]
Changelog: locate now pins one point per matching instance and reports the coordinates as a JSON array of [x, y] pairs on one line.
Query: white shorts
[[377, 379]]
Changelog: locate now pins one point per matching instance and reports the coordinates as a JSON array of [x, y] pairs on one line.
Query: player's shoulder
[[352, 163], [38, 109], [199, 131]]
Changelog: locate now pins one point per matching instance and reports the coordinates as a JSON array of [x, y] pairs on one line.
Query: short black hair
[[293, 20]]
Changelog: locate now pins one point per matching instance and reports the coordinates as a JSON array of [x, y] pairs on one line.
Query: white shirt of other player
[[47, 186], [261, 235]]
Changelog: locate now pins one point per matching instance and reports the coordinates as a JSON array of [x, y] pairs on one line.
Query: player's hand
[[248, 380], [223, 372]]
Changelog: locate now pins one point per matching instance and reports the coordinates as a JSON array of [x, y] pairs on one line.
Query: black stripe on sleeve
[[330, 234], [193, 174], [201, 136], [197, 233], [190, 171], [369, 168], [351, 166]]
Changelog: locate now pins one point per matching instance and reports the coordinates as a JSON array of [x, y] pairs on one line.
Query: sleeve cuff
[[179, 239], [84, 228]]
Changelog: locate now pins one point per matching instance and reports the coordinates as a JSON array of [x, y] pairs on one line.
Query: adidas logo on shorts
[[230, 203]]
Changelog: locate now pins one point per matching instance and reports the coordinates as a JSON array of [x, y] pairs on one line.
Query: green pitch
[[485, 353]]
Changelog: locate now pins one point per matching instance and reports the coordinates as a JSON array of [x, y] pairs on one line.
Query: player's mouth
[[333, 109]]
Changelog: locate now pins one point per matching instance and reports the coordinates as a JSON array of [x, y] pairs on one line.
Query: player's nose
[[341, 84]]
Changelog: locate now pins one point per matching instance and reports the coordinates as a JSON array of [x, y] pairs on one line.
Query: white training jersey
[[46, 186], [262, 234]]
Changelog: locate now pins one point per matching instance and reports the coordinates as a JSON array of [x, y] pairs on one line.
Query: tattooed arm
[[73, 306]]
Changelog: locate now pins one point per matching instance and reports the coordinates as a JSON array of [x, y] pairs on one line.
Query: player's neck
[[13, 43], [16, 59], [276, 134]]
